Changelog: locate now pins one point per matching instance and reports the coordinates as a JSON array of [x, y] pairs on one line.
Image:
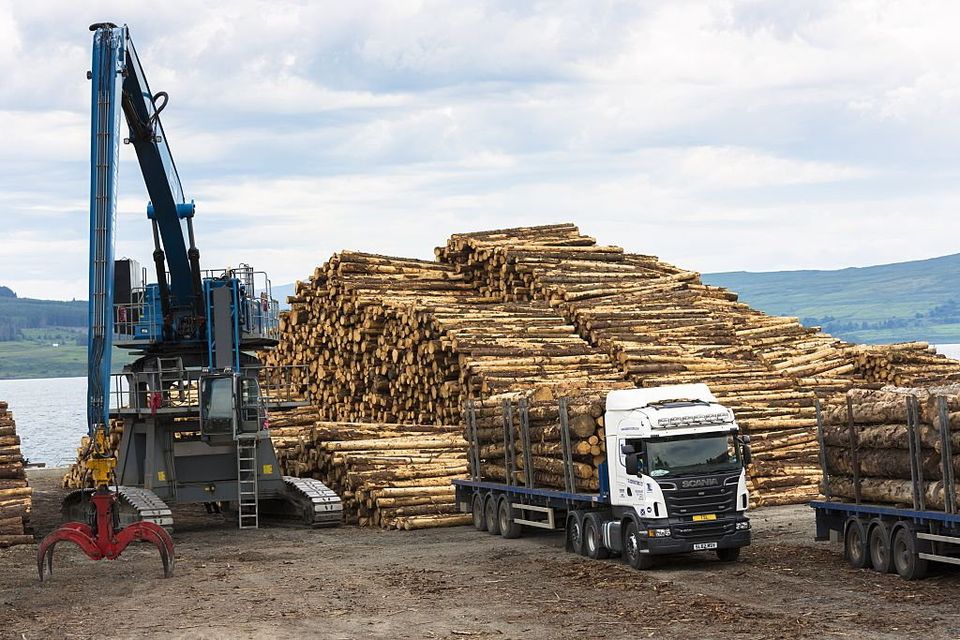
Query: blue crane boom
[[119, 84]]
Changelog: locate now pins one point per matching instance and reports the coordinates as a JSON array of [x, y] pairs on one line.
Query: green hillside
[[44, 338], [918, 300]]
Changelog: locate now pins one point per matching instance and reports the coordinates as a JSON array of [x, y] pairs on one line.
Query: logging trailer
[[889, 538], [676, 482], [193, 410]]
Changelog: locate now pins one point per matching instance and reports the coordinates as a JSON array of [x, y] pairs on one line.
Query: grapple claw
[[105, 541]]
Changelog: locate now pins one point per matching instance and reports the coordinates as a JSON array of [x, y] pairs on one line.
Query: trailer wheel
[[490, 514], [508, 528], [476, 508], [593, 540], [879, 546], [908, 563], [855, 544], [574, 543], [731, 554], [632, 548]]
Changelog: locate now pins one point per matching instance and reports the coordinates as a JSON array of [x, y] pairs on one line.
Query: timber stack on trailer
[[876, 454], [500, 433], [15, 492], [890, 478]]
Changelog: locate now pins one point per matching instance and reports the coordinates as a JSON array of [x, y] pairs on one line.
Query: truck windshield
[[697, 454]]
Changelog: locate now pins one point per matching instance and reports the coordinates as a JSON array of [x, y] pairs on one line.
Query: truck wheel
[[632, 549], [574, 542], [879, 545], [593, 541], [729, 555], [476, 508], [490, 514], [909, 565], [855, 545], [508, 528]]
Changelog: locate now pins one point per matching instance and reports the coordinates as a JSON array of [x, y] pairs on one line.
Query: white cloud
[[722, 135]]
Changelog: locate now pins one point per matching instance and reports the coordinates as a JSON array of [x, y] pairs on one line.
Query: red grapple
[[104, 541]]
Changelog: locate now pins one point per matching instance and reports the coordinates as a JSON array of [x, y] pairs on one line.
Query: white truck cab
[[676, 469]]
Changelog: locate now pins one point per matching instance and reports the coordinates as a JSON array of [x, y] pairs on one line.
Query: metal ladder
[[248, 498], [170, 371]]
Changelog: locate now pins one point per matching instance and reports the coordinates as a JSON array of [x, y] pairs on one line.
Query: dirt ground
[[457, 583]]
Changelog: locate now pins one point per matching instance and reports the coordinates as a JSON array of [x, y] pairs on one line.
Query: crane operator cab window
[[217, 406]]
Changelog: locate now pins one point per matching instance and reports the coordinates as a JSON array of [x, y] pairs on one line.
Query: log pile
[[15, 492], [585, 413], [908, 364], [408, 341], [78, 476], [879, 451], [388, 475]]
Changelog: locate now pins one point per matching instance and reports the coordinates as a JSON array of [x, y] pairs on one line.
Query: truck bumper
[[661, 546]]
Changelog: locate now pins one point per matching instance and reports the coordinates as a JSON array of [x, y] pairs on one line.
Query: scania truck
[[674, 481]]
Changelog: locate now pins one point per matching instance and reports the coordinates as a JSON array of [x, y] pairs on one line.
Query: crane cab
[[230, 405]]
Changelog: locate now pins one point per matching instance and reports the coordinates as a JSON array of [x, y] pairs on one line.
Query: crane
[[191, 403]]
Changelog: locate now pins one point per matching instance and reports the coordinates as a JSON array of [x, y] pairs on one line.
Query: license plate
[[700, 546], [706, 516]]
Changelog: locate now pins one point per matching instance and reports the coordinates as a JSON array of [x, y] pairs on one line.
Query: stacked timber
[[498, 424], [15, 492], [876, 454], [78, 475], [407, 341], [907, 364], [388, 475]]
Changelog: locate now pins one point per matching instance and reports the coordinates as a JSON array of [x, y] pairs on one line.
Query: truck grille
[[685, 503], [703, 530]]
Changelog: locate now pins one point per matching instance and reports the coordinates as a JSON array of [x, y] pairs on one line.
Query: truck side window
[[637, 445]]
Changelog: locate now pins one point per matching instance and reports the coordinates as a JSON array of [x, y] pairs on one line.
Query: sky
[[724, 135]]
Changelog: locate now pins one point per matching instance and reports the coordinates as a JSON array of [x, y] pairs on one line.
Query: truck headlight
[[744, 524], [658, 533]]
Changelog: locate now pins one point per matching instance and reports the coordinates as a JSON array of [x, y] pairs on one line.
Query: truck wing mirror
[[627, 449], [747, 455], [633, 464]]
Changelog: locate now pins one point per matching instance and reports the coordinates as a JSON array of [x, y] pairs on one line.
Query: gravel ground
[[458, 583]]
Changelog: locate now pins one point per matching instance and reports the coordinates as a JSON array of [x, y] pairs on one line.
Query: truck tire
[[909, 565], [593, 539], [855, 544], [731, 554], [476, 509], [574, 542], [508, 528], [878, 542], [632, 548], [490, 514]]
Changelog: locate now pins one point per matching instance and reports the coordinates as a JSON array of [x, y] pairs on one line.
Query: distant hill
[[280, 293], [917, 300], [19, 314]]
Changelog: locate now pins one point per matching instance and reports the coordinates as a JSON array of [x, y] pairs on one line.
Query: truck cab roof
[[629, 399], [674, 410]]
